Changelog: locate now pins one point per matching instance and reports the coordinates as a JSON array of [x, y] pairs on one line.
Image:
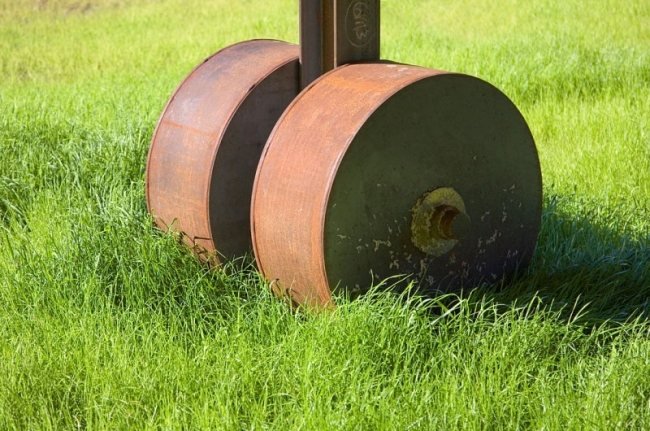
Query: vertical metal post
[[337, 32], [311, 40]]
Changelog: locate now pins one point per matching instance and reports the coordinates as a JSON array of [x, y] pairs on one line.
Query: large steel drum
[[383, 169], [206, 146]]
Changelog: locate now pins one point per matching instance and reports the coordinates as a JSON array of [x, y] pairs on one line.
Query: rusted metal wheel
[[381, 169], [208, 141]]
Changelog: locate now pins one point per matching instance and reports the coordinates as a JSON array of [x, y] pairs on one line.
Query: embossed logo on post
[[358, 23]]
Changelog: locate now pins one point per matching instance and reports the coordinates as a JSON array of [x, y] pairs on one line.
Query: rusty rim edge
[[258, 261], [225, 128], [173, 97], [326, 296]]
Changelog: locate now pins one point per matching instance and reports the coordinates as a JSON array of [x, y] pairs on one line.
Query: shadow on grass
[[582, 264]]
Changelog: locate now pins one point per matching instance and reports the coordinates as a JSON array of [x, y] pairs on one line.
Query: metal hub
[[439, 220]]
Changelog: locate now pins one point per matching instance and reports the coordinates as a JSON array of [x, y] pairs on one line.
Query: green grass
[[106, 323]]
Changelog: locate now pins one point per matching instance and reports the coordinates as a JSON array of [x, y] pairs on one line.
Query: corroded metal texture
[[349, 162], [208, 141], [337, 32], [356, 31]]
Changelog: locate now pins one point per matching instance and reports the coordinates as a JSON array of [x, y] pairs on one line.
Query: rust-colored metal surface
[[337, 32], [208, 141], [375, 169], [381, 169]]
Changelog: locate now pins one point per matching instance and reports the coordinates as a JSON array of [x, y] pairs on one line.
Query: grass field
[[106, 323]]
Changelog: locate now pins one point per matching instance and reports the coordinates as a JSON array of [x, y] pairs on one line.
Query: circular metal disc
[[208, 141], [384, 169]]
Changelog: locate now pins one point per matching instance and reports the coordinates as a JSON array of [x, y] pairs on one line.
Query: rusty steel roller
[[381, 169], [371, 169], [207, 144]]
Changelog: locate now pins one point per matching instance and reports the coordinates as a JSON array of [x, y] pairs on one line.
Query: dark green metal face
[[448, 131]]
